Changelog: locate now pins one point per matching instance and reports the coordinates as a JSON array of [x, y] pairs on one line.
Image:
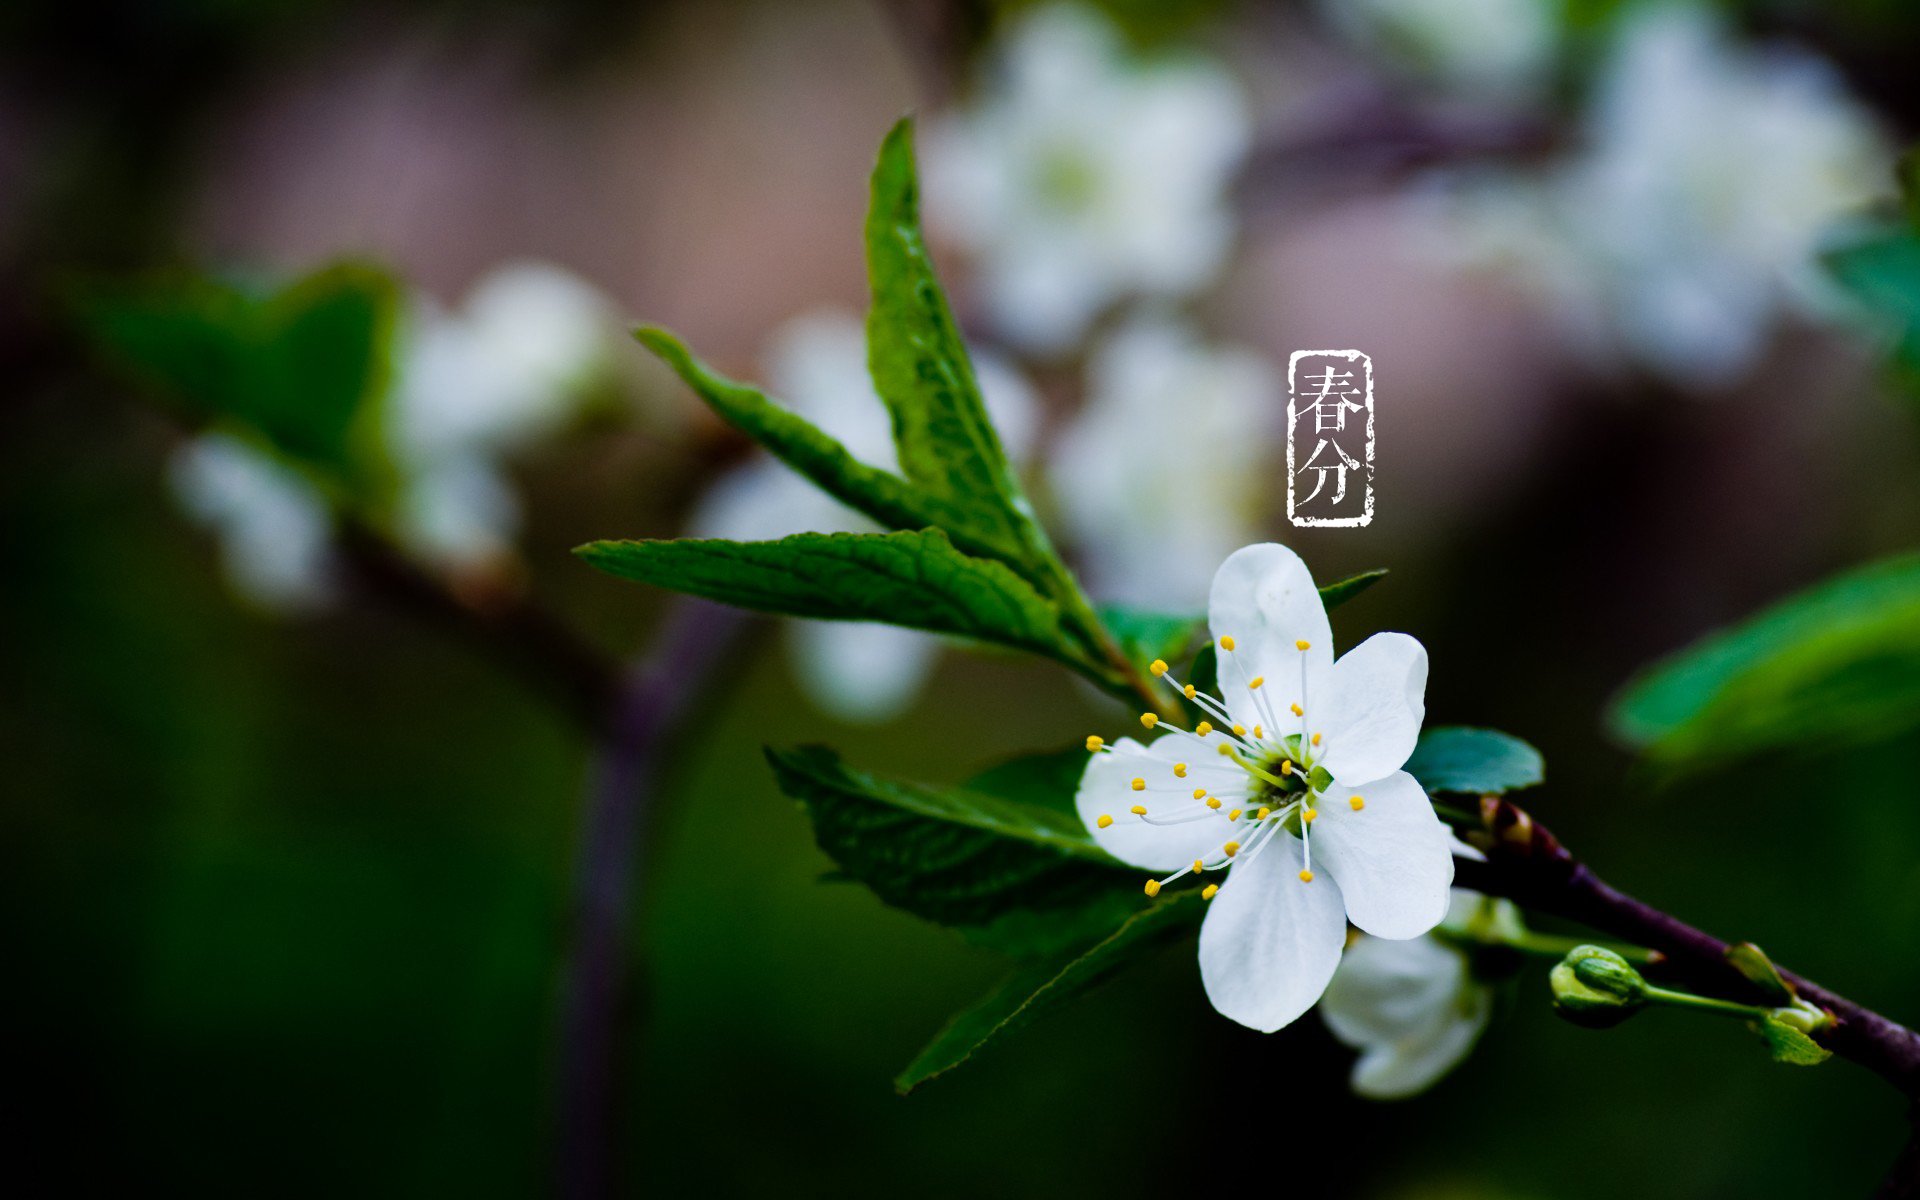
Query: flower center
[[1275, 793]]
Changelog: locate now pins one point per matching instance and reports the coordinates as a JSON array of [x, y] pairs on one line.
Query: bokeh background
[[290, 887]]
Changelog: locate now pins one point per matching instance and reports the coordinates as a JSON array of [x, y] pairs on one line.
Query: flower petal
[[1264, 599], [1270, 943], [1410, 1007], [1392, 857], [1106, 789], [1370, 716]]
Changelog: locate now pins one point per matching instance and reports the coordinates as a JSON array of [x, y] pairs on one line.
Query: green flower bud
[[1594, 987]]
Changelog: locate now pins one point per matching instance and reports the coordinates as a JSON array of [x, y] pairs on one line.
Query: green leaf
[[302, 368], [1335, 594], [794, 440], [947, 444], [915, 579], [1043, 987], [1480, 762], [1752, 962], [1016, 876], [1788, 1044], [1839, 663], [1048, 779], [1144, 636], [1884, 274]]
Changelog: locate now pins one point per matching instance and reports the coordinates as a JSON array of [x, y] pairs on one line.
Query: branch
[[531, 642], [1528, 865], [655, 702]]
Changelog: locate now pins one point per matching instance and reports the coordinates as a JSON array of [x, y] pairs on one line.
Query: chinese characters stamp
[[1329, 438]]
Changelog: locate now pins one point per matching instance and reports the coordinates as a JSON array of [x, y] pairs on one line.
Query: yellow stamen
[[1188, 691], [1153, 887], [1139, 785], [1104, 821], [1138, 810], [1303, 645], [1226, 641], [1305, 877], [1198, 866], [1207, 892], [1158, 668], [1149, 719], [1316, 739], [1094, 742], [1203, 729], [1199, 793], [1239, 731], [1356, 803], [1286, 766], [1226, 749], [1179, 770], [1309, 815], [1297, 710], [1232, 848], [1213, 802], [1253, 685], [1259, 731], [1263, 814], [1234, 815]]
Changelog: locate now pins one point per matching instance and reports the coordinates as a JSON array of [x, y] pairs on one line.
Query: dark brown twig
[[1528, 865]]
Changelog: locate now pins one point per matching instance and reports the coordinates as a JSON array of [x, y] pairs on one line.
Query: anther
[[1356, 803], [1297, 710], [1226, 749], [1263, 814], [1286, 766], [1233, 815], [1153, 887], [1259, 731], [1149, 719], [1138, 810], [1198, 866], [1226, 641], [1239, 731], [1207, 892], [1316, 739], [1202, 729], [1253, 685], [1309, 815], [1232, 848], [1305, 877], [1104, 821], [1188, 691], [1303, 645], [1179, 770], [1213, 802], [1158, 668], [1199, 793], [1094, 742], [1139, 785]]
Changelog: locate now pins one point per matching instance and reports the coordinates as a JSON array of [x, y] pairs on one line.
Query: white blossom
[[1414, 1008], [1297, 795], [1481, 46], [1147, 529], [1689, 220], [817, 366], [273, 524], [1083, 175]]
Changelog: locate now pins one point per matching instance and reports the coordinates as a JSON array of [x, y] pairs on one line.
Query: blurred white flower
[[472, 387], [273, 525], [1082, 176], [1689, 222], [1166, 469], [1479, 46], [817, 366], [1412, 1008]]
